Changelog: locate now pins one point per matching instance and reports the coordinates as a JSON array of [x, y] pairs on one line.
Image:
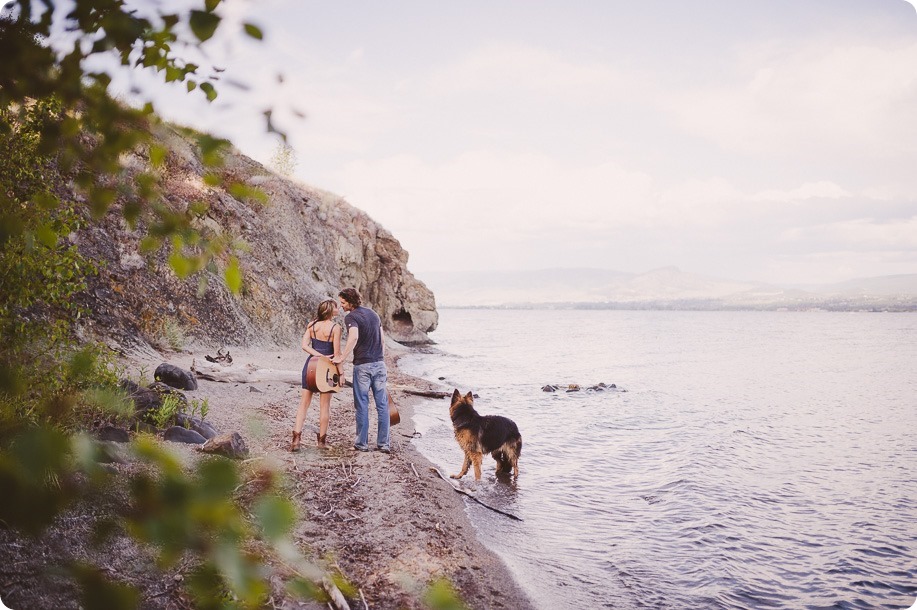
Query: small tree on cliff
[[283, 161]]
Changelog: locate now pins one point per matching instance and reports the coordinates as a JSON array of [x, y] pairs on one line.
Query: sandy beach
[[387, 522]]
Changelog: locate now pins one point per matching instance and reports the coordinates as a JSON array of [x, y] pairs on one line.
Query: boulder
[[548, 388], [108, 452], [166, 390], [194, 423], [179, 434], [176, 377], [229, 445], [111, 433], [144, 399]]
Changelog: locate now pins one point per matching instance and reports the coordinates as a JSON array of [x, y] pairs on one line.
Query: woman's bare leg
[[304, 403], [324, 402]]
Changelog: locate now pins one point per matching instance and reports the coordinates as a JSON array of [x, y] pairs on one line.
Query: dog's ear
[[469, 398], [456, 396]]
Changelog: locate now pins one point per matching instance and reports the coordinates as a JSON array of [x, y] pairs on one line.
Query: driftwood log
[[424, 393], [243, 374], [470, 495]]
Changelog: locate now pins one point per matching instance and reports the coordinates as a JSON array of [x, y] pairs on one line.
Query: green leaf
[[198, 208], [204, 24], [173, 74], [98, 592], [210, 91], [233, 275], [191, 85], [275, 516], [149, 244], [242, 191], [211, 5], [181, 265], [157, 154], [253, 31], [47, 236], [46, 201]]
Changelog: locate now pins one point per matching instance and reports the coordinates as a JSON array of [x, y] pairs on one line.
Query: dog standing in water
[[479, 434]]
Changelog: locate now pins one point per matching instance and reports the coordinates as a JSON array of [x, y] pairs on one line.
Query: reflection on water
[[755, 460]]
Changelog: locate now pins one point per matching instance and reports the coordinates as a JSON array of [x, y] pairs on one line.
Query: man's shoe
[[384, 449], [359, 448]]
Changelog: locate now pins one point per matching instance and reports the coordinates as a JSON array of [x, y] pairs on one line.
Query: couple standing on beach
[[366, 340]]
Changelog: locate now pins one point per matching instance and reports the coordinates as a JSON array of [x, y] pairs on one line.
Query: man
[[366, 340]]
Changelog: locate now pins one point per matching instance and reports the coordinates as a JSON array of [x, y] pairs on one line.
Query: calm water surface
[[756, 460]]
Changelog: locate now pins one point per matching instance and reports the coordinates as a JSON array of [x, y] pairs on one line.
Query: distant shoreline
[[905, 306]]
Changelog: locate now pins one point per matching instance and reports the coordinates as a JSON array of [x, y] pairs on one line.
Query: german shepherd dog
[[479, 434]]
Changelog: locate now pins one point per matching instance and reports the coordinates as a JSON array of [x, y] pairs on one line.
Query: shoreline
[[389, 524]]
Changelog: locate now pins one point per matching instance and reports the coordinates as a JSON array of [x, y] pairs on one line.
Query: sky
[[765, 141]]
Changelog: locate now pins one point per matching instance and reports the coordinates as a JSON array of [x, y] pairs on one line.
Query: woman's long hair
[[325, 310]]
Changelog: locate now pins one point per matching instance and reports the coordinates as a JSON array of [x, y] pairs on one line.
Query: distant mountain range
[[665, 288]]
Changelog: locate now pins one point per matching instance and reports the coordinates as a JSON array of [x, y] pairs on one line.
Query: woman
[[322, 338]]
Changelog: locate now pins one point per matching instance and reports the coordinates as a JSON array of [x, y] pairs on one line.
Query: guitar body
[[393, 415], [322, 375]]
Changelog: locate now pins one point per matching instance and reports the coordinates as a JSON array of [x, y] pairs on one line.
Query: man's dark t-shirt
[[369, 343]]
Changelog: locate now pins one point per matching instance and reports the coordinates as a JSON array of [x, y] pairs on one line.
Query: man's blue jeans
[[365, 376]]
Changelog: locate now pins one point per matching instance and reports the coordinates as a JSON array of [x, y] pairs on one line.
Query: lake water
[[755, 460]]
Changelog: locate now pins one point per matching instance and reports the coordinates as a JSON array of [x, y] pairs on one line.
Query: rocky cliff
[[302, 246]]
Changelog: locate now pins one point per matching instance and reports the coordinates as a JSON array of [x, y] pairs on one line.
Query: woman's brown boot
[[297, 438], [320, 440]]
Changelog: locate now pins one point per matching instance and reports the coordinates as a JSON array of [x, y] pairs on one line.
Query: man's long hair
[[351, 296]]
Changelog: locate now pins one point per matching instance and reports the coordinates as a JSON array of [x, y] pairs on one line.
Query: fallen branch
[[470, 495], [243, 374], [425, 393], [337, 598], [415, 470]]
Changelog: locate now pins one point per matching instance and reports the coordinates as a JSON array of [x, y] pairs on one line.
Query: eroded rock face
[[304, 246]]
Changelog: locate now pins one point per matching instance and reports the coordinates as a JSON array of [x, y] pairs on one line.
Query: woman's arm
[[336, 339], [307, 343], [352, 335]]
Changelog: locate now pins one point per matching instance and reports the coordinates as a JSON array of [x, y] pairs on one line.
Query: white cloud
[[521, 69], [818, 98], [865, 233], [810, 190]]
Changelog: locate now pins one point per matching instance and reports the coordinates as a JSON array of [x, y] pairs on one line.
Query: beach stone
[[573, 388], [108, 452], [194, 423], [166, 390], [111, 433], [229, 445], [175, 376], [180, 434], [548, 388], [144, 399]]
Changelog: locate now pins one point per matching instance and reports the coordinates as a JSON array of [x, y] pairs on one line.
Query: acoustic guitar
[[394, 416], [322, 375]]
